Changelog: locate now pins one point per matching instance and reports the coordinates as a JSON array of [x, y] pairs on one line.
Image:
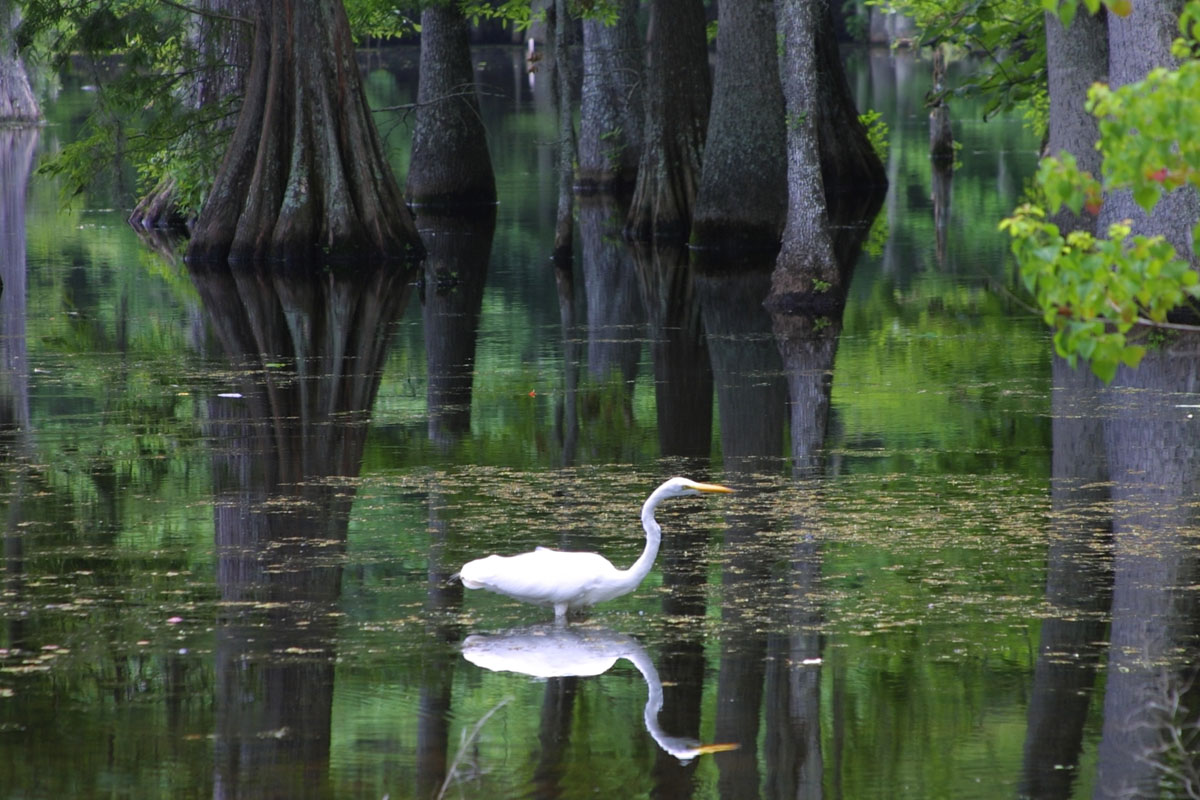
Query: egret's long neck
[[641, 567]]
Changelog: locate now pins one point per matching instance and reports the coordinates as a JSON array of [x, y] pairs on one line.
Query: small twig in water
[[462, 748]]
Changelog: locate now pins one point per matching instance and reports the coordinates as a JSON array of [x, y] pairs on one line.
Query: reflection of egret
[[548, 651], [569, 581]]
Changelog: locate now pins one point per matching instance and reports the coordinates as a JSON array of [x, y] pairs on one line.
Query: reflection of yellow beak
[[705, 749], [712, 487]]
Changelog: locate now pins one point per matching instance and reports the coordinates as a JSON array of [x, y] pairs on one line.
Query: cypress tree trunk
[[305, 174], [742, 200], [568, 153], [450, 165], [677, 103], [1075, 59], [1138, 43], [16, 98], [832, 168], [611, 111], [806, 275]]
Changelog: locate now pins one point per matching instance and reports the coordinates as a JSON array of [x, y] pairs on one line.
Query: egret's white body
[[567, 581]]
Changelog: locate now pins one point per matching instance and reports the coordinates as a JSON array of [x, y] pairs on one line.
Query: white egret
[[568, 581]]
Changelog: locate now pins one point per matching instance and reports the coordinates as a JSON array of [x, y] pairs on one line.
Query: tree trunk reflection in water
[[752, 400], [807, 344], [1154, 464], [458, 248], [943, 185], [1078, 586], [17, 145], [566, 412], [284, 449], [443, 632], [795, 766], [683, 383], [616, 320], [683, 400], [554, 736]]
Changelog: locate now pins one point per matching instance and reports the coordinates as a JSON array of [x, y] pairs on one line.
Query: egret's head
[[678, 487]]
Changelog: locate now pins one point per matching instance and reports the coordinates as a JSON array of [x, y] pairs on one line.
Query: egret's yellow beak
[[705, 749], [712, 487]]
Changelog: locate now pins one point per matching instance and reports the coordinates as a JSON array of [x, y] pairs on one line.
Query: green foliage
[[382, 20], [516, 12], [1066, 9], [877, 132], [1094, 290], [146, 64], [1008, 32], [519, 13], [857, 19]]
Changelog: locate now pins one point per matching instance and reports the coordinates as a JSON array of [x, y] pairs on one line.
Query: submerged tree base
[[305, 176]]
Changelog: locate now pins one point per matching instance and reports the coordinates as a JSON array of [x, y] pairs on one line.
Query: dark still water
[[232, 500]]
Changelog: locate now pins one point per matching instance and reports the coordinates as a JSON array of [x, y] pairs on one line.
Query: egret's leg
[[560, 613]]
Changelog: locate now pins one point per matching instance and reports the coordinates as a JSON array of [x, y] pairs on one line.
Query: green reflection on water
[[928, 531]]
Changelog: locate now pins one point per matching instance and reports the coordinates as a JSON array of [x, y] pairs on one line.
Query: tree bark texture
[[450, 165], [17, 102], [678, 88], [611, 110], [568, 150], [1138, 43], [1075, 59], [806, 275], [305, 175], [742, 198]]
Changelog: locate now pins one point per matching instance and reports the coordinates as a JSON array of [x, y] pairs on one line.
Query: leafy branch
[[1095, 290]]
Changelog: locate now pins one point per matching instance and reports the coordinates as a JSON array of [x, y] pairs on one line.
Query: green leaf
[[1146, 197], [1131, 356], [1104, 369]]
